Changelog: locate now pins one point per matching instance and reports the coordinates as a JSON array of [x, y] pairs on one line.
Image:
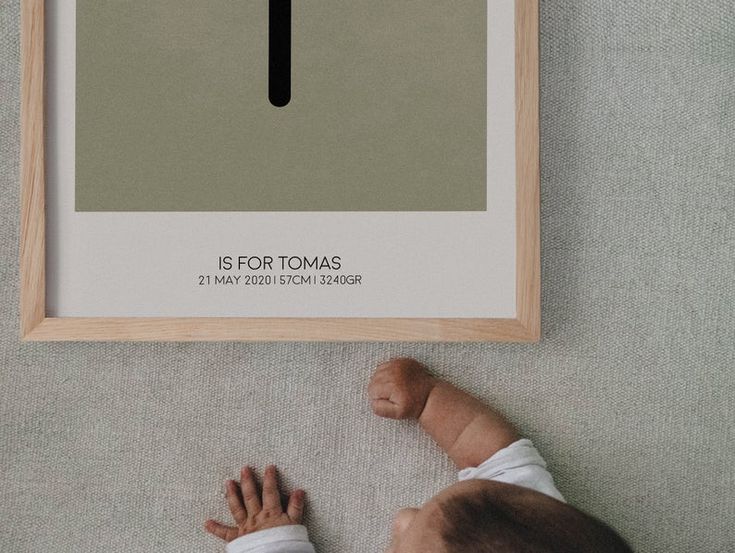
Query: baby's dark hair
[[505, 518]]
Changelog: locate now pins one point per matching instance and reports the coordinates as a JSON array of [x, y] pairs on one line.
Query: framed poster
[[278, 170]]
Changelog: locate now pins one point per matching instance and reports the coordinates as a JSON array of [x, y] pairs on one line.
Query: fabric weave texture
[[630, 396]]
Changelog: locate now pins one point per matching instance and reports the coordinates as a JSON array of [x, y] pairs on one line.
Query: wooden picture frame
[[37, 326]]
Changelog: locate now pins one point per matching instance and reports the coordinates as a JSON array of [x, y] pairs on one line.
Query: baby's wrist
[[430, 385]]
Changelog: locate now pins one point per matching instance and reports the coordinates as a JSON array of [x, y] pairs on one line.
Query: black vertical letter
[[279, 52]]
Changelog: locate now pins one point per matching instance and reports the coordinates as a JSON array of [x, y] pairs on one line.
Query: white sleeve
[[520, 464], [282, 539]]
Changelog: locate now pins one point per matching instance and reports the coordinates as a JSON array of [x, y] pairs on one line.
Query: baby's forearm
[[467, 429]]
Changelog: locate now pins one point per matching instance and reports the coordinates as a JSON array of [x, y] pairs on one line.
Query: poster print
[[327, 105]]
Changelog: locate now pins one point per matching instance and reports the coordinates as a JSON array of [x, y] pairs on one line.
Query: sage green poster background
[[388, 109]]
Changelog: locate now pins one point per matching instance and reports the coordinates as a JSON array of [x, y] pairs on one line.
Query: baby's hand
[[399, 389], [249, 513]]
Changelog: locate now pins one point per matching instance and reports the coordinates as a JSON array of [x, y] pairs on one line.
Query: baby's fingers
[[381, 390], [271, 496], [385, 408], [234, 502], [227, 533], [295, 509], [249, 491]]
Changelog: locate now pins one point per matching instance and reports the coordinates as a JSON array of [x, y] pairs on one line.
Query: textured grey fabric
[[630, 396]]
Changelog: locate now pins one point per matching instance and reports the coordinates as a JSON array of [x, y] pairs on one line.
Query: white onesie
[[519, 464]]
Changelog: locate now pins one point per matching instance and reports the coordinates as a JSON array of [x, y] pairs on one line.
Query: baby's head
[[482, 516]]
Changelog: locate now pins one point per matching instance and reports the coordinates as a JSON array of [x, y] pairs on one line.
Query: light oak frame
[[36, 326]]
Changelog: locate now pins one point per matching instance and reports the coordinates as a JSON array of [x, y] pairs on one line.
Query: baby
[[505, 499]]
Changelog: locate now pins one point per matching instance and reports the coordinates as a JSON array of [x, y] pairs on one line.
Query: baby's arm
[[468, 430]]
